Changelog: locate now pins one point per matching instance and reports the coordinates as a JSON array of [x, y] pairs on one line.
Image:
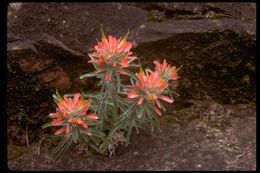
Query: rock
[[42, 43], [228, 9], [55, 79], [82, 26], [36, 68], [243, 11], [46, 42], [11, 37], [32, 65], [21, 45], [223, 54], [158, 31], [175, 149]]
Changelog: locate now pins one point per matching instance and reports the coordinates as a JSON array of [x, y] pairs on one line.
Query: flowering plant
[[103, 120]]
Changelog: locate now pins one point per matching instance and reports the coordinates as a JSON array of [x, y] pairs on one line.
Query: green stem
[[118, 82], [113, 95], [130, 130], [118, 124], [103, 92]]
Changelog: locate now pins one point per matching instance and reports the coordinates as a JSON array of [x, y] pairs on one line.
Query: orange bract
[[149, 87], [114, 53], [72, 113], [166, 71]]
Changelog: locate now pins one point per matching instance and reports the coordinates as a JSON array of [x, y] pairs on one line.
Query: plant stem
[[130, 130]]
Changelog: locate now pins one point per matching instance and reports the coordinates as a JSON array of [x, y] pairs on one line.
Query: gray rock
[[82, 26], [240, 10], [175, 148], [151, 31]]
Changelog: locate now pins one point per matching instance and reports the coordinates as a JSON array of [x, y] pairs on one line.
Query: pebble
[[198, 166], [142, 26], [135, 153]]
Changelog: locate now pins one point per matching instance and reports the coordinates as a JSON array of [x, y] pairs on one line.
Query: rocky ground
[[211, 126]]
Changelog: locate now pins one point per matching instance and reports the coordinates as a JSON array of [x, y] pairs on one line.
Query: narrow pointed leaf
[[141, 111], [97, 133], [125, 37], [88, 75], [102, 31], [94, 64], [46, 125]]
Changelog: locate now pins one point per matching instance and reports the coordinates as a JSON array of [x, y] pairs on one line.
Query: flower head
[[166, 71], [112, 53], [71, 113], [149, 87]]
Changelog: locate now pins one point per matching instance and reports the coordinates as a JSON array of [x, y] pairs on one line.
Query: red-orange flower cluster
[[71, 113], [150, 87], [166, 71], [112, 53]]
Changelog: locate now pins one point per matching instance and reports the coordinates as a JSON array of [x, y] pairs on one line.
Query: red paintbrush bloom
[[166, 71], [111, 54], [150, 88], [71, 113]]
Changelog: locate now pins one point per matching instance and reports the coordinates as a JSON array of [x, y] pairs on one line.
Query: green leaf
[[94, 64], [131, 74], [85, 139], [103, 146], [149, 70], [125, 37], [118, 82], [97, 133], [62, 147], [94, 147], [88, 75], [150, 124], [89, 122], [95, 139], [136, 128], [179, 68], [60, 98], [151, 128], [174, 92], [46, 125], [91, 95], [75, 134], [130, 130], [57, 98], [55, 152], [69, 95], [117, 126], [155, 117], [142, 110], [50, 116], [130, 109], [102, 32], [132, 82], [134, 65], [126, 90], [163, 108], [52, 136], [170, 93]]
